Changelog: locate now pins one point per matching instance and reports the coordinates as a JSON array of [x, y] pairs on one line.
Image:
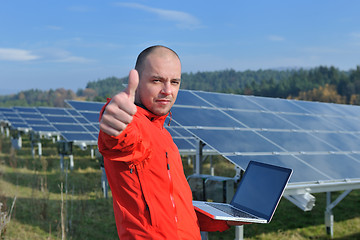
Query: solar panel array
[[186, 143], [68, 123], [320, 141], [11, 117]]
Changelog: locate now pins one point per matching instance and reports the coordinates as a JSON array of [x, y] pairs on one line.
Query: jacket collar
[[157, 120]]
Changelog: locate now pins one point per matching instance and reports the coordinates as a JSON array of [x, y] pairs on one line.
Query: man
[[151, 197]]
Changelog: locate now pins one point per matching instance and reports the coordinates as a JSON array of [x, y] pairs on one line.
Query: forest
[[324, 84]]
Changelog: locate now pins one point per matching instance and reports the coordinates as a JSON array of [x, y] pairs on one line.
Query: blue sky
[[49, 44]]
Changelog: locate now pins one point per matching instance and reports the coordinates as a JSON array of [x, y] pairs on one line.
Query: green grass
[[88, 215]]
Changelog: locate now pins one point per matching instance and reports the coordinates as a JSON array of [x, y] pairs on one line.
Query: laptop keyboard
[[231, 210]]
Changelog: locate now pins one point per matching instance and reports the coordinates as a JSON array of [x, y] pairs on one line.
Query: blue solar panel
[[52, 111], [92, 129], [261, 120], [189, 99], [19, 125], [90, 114], [3, 109], [14, 120], [305, 136], [70, 124], [69, 127], [83, 106], [44, 129], [81, 120], [307, 173], [231, 141], [25, 110], [78, 137], [203, 117], [61, 119], [34, 115], [277, 105], [74, 113]]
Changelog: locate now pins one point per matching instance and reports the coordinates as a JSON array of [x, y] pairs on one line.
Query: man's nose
[[166, 89]]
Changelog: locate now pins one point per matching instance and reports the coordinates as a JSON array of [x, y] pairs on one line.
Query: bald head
[[158, 50], [159, 71]]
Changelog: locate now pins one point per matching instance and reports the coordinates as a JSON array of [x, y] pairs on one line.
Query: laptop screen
[[261, 188]]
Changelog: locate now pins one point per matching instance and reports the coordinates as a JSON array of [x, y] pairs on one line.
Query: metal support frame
[[16, 141], [239, 232], [92, 152], [199, 157], [347, 185], [104, 182], [39, 149], [62, 162], [329, 216], [304, 201], [39, 145], [71, 159]]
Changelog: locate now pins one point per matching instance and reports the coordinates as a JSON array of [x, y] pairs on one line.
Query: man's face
[[159, 83]]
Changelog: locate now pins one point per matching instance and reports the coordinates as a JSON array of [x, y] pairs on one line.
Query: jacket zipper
[[171, 187]]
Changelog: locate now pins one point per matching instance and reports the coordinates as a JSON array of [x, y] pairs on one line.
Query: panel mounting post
[[329, 216], [199, 157]]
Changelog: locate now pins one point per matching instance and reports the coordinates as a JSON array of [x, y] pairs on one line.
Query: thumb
[[133, 83]]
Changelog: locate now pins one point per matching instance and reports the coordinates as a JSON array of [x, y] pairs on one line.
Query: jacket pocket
[[146, 190]]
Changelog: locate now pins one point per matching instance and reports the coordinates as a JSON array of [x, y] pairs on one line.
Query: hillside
[[326, 84]]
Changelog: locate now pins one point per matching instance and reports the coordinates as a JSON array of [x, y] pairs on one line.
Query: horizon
[[68, 44], [277, 69]]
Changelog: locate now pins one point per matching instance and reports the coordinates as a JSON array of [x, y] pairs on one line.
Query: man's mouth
[[163, 101]]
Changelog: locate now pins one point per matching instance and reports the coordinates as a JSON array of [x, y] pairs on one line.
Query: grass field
[[51, 204]]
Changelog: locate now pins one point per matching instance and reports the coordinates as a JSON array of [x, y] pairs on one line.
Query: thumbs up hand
[[119, 112]]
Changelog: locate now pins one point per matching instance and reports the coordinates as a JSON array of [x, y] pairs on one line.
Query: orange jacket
[[151, 197]]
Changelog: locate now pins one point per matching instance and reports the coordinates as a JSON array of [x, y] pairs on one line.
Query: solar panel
[[36, 121], [4, 109], [52, 111], [72, 126], [297, 134], [12, 118], [184, 140], [25, 110], [312, 138], [89, 110], [82, 106]]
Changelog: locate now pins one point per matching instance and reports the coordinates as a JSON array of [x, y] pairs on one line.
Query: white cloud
[[183, 19], [60, 55], [276, 38], [45, 54], [12, 54]]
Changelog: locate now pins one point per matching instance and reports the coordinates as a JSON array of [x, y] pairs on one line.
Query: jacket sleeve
[[207, 224], [122, 147]]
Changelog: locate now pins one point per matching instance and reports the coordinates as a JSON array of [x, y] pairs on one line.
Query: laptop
[[257, 196]]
